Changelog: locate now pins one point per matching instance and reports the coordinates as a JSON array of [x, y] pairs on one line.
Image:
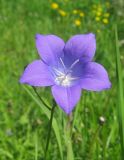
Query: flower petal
[[81, 46], [95, 77], [50, 47], [37, 74], [66, 98]]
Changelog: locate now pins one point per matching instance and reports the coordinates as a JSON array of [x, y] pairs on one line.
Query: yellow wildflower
[[77, 22], [54, 6], [99, 9], [108, 4], [82, 14], [97, 19], [107, 15], [98, 30], [98, 13], [62, 13], [75, 11], [105, 20]]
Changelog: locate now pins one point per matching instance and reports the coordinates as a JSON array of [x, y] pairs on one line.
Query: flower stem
[[50, 126], [68, 131], [41, 99]]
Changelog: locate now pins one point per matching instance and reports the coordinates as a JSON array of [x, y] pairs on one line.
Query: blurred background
[[96, 134]]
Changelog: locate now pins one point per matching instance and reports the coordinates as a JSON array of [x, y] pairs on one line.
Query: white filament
[[64, 78]]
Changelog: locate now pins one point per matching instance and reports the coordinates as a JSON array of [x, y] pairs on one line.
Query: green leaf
[[47, 112], [6, 153]]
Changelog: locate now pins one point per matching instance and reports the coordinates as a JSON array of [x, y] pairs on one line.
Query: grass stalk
[[120, 99]]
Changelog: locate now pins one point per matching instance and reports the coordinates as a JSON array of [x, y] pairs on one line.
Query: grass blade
[[120, 101], [47, 112]]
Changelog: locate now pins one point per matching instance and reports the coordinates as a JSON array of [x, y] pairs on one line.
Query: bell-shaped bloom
[[67, 68]]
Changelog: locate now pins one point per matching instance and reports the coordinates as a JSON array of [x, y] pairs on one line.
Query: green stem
[[50, 126], [70, 155], [41, 99]]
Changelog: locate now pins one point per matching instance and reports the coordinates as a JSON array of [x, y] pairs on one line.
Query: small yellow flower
[[97, 19], [75, 11], [82, 14], [99, 9], [98, 13], [105, 20], [106, 15], [62, 13], [77, 22], [108, 4], [54, 6], [98, 30]]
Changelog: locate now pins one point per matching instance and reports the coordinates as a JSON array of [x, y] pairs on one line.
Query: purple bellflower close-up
[[67, 68]]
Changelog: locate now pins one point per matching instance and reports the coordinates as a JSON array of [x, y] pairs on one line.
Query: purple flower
[[67, 68]]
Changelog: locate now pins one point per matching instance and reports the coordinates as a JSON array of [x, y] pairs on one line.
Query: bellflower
[[67, 68]]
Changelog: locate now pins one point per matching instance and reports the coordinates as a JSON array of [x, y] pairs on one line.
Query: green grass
[[120, 87], [23, 121]]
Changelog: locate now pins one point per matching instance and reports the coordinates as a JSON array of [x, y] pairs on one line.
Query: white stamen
[[58, 72], [64, 77], [74, 63], [64, 80], [62, 63]]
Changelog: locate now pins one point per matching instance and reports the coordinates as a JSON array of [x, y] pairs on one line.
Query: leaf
[[47, 112], [6, 153]]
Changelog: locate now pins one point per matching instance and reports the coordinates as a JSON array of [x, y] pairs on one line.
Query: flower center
[[64, 80], [63, 76]]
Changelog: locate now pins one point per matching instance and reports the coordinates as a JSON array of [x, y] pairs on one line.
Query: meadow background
[[23, 118]]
